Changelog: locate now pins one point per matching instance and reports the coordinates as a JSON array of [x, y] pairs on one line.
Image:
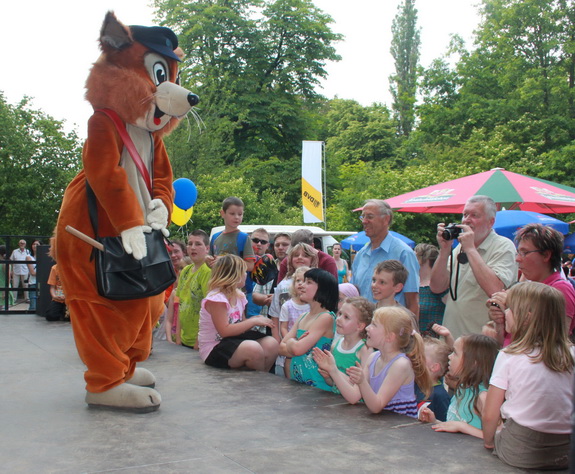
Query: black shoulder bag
[[119, 275]]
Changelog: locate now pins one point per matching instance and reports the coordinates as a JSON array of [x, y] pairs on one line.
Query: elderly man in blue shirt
[[376, 218]]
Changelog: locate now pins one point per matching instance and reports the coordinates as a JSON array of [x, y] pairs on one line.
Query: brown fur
[[105, 86], [111, 336]]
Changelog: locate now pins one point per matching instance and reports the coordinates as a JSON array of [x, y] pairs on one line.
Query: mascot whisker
[[136, 77]]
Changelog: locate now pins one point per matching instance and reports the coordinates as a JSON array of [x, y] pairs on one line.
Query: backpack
[[240, 242]]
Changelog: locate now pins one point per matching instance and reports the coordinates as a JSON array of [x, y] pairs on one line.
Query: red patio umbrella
[[509, 190]]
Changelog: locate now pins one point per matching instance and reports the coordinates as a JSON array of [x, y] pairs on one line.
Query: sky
[[54, 43]]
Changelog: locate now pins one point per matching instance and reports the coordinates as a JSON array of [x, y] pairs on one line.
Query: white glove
[[158, 217], [134, 241]]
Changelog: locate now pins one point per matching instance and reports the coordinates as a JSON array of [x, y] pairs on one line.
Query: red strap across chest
[[129, 144]]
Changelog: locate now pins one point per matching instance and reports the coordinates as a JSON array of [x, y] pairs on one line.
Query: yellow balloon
[[181, 217]]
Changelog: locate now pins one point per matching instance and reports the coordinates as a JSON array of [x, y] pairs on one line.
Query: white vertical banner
[[311, 181]]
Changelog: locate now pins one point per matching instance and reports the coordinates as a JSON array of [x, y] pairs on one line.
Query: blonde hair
[[292, 288], [307, 250], [539, 318], [397, 320], [365, 309], [427, 253], [226, 273], [184, 262], [441, 352]]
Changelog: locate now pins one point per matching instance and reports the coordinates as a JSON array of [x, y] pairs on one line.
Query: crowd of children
[[517, 399]]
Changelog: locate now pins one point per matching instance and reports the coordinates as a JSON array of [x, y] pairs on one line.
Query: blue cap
[[160, 39]]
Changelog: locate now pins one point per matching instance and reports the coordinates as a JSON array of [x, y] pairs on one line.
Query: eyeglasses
[[523, 253], [260, 241], [367, 217]]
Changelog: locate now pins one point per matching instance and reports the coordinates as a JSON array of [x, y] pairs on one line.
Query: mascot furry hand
[[136, 76]]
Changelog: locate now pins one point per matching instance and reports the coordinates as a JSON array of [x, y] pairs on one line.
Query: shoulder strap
[[129, 144], [92, 208], [241, 243], [301, 317], [214, 237]]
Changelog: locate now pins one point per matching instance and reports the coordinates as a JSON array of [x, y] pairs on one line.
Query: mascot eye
[[160, 73]]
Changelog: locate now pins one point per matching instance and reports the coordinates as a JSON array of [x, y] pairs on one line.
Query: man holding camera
[[482, 264]]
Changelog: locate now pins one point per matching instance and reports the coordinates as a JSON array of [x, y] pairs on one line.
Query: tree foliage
[[405, 51], [507, 101], [37, 160], [510, 100], [255, 65]]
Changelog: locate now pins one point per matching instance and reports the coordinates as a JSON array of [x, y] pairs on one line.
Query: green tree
[[255, 65], [265, 207], [405, 51], [37, 161], [507, 103], [364, 181]]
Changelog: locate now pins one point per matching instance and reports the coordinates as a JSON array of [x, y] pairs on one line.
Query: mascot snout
[[135, 80], [174, 100]]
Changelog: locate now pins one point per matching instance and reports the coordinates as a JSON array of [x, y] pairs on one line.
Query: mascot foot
[[126, 397], [143, 378]]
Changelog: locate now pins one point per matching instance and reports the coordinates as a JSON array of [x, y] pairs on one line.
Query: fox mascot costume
[[137, 77]]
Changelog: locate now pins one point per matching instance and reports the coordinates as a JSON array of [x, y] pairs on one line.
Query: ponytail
[[397, 320], [416, 353]]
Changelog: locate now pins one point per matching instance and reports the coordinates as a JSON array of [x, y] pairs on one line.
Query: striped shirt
[[403, 402]]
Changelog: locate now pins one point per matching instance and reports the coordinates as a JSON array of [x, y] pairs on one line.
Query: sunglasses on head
[[260, 241]]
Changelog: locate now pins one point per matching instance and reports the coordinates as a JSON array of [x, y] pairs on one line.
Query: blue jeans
[[33, 297]]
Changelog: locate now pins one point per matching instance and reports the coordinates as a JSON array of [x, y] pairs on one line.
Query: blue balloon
[[186, 193]]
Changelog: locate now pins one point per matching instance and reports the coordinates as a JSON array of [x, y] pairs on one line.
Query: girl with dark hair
[[472, 361], [313, 329]]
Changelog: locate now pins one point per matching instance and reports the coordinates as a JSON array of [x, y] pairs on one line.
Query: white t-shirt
[[291, 311], [32, 278], [281, 295], [535, 396], [20, 255]]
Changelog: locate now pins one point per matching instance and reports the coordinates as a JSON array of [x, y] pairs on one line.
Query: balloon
[[186, 193], [181, 217]]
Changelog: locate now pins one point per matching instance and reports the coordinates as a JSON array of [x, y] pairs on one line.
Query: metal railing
[[43, 264]]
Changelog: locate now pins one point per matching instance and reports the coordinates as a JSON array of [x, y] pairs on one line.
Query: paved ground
[[210, 420]]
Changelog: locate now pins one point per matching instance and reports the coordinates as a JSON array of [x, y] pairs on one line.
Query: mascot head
[[137, 76]]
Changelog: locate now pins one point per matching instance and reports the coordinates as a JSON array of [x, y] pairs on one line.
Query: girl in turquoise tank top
[[349, 350], [472, 362], [315, 328]]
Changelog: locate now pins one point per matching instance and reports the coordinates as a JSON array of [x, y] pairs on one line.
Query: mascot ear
[[114, 34]]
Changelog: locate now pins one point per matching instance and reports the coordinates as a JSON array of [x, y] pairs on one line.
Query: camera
[[451, 232]]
